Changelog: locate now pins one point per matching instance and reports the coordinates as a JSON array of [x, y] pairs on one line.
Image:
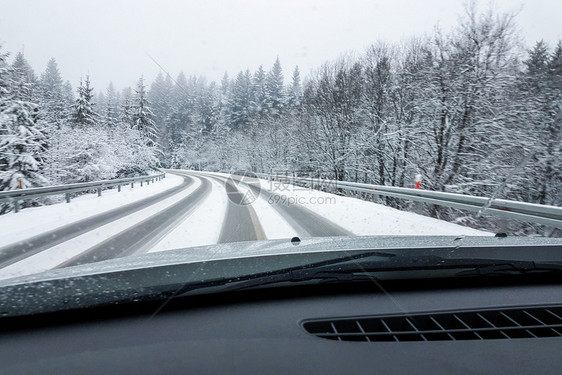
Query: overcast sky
[[111, 40]]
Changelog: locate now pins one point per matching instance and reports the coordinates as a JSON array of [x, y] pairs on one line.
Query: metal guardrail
[[14, 196], [529, 212]]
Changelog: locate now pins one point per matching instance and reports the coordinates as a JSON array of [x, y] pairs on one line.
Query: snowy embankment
[[358, 216], [36, 220], [58, 254]]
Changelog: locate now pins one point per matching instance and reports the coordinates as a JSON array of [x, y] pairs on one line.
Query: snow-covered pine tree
[[21, 137], [555, 61], [179, 120], [240, 100], [126, 111], [225, 84], [51, 87], [160, 96], [83, 113], [295, 90], [20, 146], [209, 108], [142, 116], [275, 92], [51, 80], [110, 111], [25, 79], [537, 62], [258, 93], [68, 93]]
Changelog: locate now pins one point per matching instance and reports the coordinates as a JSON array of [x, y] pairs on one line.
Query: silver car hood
[[282, 246], [156, 275]]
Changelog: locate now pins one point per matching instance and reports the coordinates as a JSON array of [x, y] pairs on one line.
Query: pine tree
[[83, 114], [209, 108], [258, 93], [51, 80], [24, 78], [537, 62], [225, 84], [21, 136], [275, 93], [295, 92], [160, 95], [555, 65], [68, 93], [180, 117], [142, 116], [20, 146], [240, 100], [126, 112], [110, 112], [53, 100]]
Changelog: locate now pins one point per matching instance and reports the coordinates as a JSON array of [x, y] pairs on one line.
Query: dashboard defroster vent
[[508, 323]]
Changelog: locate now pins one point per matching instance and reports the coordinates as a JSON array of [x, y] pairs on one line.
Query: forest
[[472, 110]]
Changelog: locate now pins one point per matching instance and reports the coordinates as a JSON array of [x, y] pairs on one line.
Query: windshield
[[133, 133]]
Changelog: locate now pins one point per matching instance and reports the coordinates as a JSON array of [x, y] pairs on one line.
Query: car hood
[[249, 249], [153, 275]]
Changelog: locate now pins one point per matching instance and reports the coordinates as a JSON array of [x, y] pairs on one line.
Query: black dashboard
[[261, 331]]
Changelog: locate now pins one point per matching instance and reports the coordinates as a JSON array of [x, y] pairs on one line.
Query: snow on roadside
[[58, 254], [202, 227], [366, 218], [36, 220], [361, 217]]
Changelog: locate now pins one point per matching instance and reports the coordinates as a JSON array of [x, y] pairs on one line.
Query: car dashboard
[[302, 330]]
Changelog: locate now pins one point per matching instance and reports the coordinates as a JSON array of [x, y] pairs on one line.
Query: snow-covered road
[[190, 209]]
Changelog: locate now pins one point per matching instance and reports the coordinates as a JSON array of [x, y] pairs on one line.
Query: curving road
[[241, 222]]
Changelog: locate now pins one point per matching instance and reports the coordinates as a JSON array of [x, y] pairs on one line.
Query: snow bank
[[36, 220]]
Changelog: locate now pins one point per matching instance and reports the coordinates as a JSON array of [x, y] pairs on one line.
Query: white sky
[[111, 39]]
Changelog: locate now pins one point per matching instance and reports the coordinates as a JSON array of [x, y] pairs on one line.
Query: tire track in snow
[[305, 222], [241, 222], [140, 237]]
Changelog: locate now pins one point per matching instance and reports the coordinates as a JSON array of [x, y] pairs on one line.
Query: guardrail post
[[67, 197], [118, 188], [132, 185], [148, 181], [141, 183], [16, 206], [99, 192], [152, 180]]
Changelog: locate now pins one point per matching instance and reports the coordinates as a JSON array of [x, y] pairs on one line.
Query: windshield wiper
[[512, 268], [357, 268], [284, 275]]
